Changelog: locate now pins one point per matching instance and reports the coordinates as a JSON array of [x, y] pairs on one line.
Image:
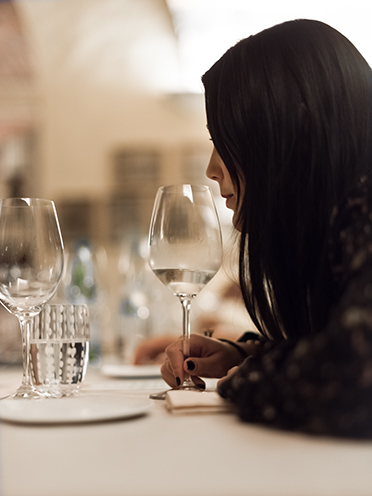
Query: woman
[[289, 114]]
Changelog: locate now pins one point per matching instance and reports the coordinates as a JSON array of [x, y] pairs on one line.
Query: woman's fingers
[[199, 383], [172, 368], [168, 375], [176, 381], [209, 357], [212, 366]]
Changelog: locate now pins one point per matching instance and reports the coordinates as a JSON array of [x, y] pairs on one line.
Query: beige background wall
[[99, 89]]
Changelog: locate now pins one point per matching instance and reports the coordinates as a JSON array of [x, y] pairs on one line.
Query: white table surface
[[173, 455]]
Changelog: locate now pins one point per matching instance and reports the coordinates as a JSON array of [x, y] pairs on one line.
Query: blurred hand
[[152, 350]]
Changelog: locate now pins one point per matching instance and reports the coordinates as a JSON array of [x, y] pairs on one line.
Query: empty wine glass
[[31, 265], [185, 247]]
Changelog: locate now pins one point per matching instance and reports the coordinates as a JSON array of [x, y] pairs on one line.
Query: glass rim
[[178, 186], [24, 201]]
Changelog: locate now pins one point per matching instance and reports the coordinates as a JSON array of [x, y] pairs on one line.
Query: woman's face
[[217, 171]]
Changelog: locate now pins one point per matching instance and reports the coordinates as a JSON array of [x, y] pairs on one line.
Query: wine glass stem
[[26, 323], [186, 304]]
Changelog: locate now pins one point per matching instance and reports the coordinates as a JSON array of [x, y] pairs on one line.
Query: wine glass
[[185, 247], [31, 266]]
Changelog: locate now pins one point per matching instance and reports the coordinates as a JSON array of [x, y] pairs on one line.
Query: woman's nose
[[209, 172], [213, 170]]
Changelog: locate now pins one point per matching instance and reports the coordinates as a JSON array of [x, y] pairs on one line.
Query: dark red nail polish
[[178, 380]]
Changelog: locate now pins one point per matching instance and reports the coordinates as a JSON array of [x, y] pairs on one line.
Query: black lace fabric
[[321, 384]]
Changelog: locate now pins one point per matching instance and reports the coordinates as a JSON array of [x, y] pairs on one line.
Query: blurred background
[[100, 103]]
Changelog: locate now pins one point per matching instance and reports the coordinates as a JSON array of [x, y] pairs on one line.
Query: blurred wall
[[106, 77]]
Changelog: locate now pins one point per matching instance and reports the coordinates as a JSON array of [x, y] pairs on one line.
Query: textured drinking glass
[[59, 349]]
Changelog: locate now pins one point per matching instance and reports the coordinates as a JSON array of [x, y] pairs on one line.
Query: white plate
[[131, 371], [80, 409]]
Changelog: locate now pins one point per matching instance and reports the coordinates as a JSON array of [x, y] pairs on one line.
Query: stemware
[[185, 247], [31, 266]]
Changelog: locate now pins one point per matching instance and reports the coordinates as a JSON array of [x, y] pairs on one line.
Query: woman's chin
[[235, 222]]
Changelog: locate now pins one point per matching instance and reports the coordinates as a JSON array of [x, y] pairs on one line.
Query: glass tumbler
[[59, 349]]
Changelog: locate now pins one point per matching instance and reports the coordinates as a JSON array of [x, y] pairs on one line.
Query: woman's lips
[[229, 201]]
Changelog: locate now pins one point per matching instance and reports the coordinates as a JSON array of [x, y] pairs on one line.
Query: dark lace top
[[321, 384]]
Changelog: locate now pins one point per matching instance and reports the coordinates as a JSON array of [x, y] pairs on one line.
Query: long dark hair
[[289, 112]]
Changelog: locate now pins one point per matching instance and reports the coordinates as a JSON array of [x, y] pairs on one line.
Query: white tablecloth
[[174, 455]]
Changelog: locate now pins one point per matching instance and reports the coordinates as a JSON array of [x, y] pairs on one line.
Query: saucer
[[80, 409]]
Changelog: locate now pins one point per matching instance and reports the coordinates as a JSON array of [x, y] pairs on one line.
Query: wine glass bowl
[[31, 266], [185, 246]]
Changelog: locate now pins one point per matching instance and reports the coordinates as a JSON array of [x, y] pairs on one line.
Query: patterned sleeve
[[320, 384]]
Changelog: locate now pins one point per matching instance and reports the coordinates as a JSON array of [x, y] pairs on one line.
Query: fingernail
[[200, 386], [190, 365], [178, 380]]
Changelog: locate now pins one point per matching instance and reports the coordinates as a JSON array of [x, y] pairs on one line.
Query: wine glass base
[[28, 393], [189, 387], [159, 396], [185, 387]]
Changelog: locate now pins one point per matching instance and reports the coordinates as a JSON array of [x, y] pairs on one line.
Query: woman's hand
[[152, 350], [209, 357], [226, 379]]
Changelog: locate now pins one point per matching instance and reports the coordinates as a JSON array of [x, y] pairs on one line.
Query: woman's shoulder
[[357, 201], [357, 212], [351, 229]]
